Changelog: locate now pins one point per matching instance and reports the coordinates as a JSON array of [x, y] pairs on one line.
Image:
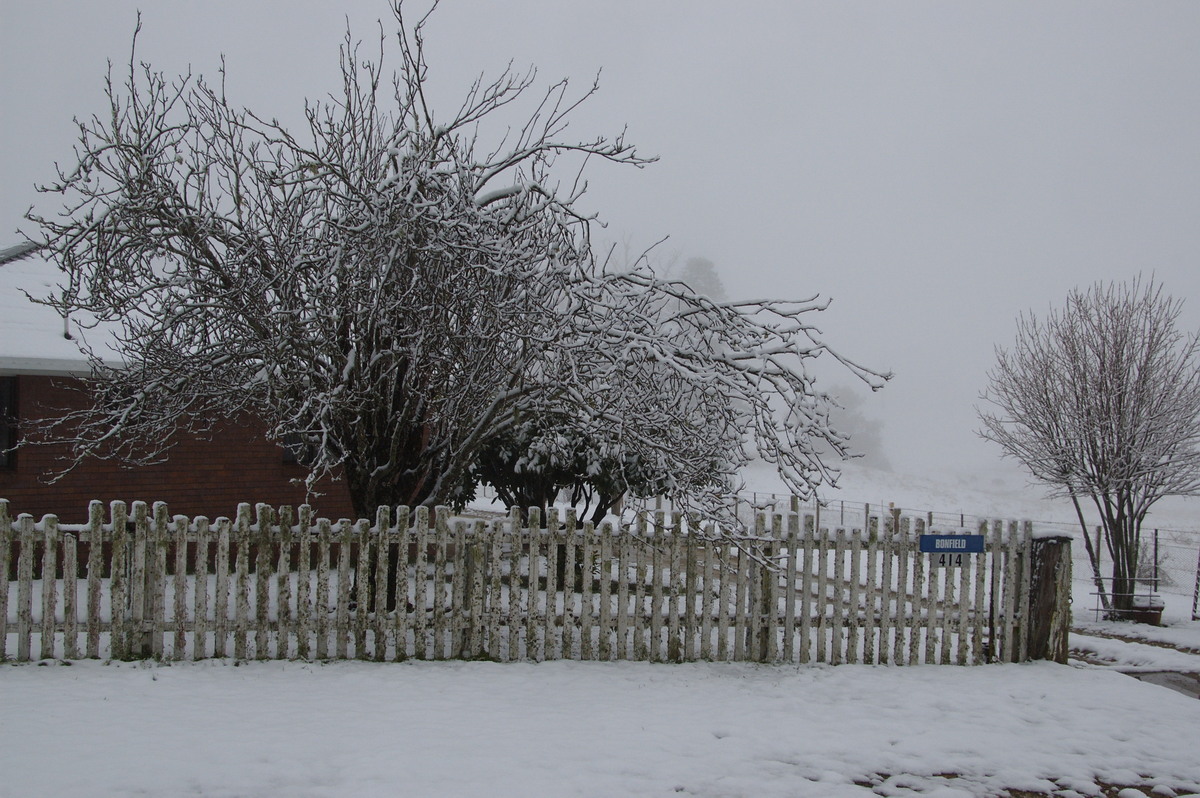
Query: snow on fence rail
[[416, 584]]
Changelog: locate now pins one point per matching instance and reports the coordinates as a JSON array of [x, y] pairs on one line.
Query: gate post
[[1049, 619]]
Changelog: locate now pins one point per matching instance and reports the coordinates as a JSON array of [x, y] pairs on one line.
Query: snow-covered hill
[[1000, 492]]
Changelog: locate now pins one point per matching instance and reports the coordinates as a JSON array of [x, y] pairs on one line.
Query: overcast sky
[[934, 168]]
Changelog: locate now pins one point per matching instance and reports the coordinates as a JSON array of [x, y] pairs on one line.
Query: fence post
[[1049, 605]]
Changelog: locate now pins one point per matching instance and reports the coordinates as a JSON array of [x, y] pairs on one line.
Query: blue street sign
[[952, 544]]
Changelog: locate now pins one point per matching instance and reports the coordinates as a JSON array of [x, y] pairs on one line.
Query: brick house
[[40, 369]]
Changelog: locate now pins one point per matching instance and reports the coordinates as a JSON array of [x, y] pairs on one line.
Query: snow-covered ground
[[589, 729], [613, 729]]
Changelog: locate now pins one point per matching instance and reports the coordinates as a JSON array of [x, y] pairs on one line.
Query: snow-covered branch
[[396, 295]]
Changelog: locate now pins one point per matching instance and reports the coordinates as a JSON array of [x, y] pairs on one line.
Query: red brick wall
[[202, 477]]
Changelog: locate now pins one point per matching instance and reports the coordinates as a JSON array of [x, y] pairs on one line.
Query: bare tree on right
[[1101, 401]]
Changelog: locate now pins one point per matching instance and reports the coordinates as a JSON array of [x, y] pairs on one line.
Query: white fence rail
[[414, 584]]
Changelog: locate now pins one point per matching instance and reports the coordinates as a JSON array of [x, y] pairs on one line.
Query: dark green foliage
[[530, 465]]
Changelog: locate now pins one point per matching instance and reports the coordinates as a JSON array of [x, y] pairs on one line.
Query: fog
[[933, 168]]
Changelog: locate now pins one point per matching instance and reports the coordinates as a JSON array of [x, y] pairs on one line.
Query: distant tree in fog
[[850, 418], [701, 276]]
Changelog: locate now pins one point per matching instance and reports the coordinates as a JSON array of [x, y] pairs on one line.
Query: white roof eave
[[45, 366]]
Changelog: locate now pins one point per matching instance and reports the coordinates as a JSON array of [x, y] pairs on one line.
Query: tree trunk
[[1123, 535], [1093, 553]]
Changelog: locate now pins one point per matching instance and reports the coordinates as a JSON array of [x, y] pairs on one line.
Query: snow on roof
[[32, 336]]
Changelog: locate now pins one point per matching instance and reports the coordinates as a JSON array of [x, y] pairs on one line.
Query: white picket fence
[[281, 585]]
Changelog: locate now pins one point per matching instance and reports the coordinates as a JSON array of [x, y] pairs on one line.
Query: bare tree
[[1101, 400], [390, 293]]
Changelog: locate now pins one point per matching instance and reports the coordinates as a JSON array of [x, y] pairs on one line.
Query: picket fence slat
[[70, 597], [900, 538], [674, 576], [923, 603], [302, 619], [977, 609], [804, 567], [964, 605], [657, 557], [869, 626], [690, 596], [533, 555], [771, 626], [838, 654], [220, 596], [515, 543], [49, 594], [743, 626], [157, 562], [6, 543], [285, 625], [1009, 603], [887, 596], [179, 587], [25, 588], [570, 612], [623, 555], [241, 585], [913, 619], [854, 623], [931, 603], [200, 588], [550, 646], [403, 603], [708, 598], [481, 546]]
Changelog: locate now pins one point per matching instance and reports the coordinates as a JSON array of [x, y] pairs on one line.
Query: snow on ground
[[1179, 633], [1133, 656], [584, 729]]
